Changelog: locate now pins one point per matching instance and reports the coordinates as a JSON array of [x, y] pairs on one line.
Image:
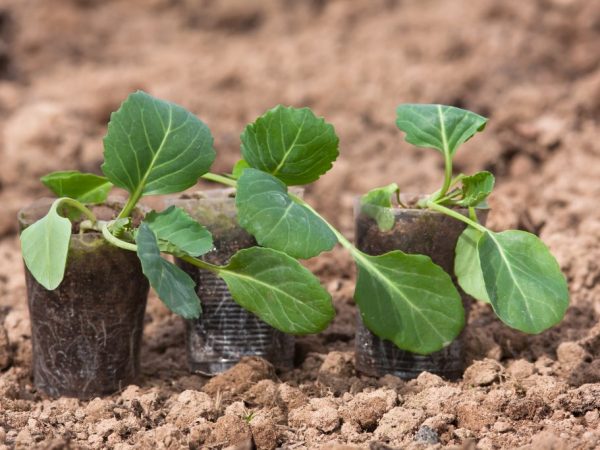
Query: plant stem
[[452, 195], [473, 214], [456, 215], [201, 264], [69, 201], [132, 247], [110, 238], [399, 200], [447, 176], [131, 202], [135, 197], [219, 179]]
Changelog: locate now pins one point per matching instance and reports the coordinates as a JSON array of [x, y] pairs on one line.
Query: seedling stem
[[449, 212]]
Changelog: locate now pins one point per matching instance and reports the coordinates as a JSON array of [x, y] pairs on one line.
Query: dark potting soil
[[86, 334]]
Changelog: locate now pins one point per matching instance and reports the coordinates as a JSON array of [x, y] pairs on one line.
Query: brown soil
[[532, 67]]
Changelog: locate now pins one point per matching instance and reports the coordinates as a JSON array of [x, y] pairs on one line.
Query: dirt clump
[[5, 350], [189, 408], [265, 432], [521, 369], [399, 424], [365, 409], [240, 377], [320, 414], [231, 431], [291, 396], [337, 372], [482, 373]]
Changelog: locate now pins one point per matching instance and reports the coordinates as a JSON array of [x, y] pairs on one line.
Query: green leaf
[[409, 300], [84, 187], [290, 143], [467, 267], [523, 280], [177, 232], [120, 226], [377, 204], [45, 245], [155, 147], [279, 290], [239, 167], [476, 188], [266, 210], [443, 128], [174, 287]]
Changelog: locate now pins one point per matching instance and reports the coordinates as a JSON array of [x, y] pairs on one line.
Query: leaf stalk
[[219, 179], [69, 201], [110, 238], [449, 212], [201, 264]]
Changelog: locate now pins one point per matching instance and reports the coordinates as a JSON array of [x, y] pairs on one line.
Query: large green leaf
[[155, 147], [178, 233], [45, 245], [279, 290], [409, 300], [440, 127], [467, 267], [476, 188], [290, 143], [523, 280], [173, 286], [84, 187], [377, 204], [267, 212]]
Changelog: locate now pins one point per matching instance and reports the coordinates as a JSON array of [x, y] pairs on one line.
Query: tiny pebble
[[427, 435], [502, 427]]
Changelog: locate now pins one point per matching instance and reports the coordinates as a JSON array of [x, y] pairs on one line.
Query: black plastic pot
[[225, 332], [418, 231], [86, 334]]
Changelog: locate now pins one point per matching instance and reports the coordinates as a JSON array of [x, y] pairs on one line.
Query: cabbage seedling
[[291, 146], [154, 147], [404, 298], [511, 270]]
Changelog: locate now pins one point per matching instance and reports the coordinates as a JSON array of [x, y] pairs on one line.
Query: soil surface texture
[[532, 67]]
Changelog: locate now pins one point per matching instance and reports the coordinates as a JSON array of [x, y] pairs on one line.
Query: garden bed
[[533, 69]]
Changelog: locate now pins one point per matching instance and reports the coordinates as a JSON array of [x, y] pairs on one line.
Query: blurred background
[[532, 67]]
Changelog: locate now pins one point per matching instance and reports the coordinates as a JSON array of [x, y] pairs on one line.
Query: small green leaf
[[119, 226], [177, 232], [83, 187], [45, 245], [279, 290], [409, 300], [239, 167], [467, 267], [290, 143], [377, 204], [266, 210], [155, 147], [174, 287], [523, 280], [443, 128], [476, 188]]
